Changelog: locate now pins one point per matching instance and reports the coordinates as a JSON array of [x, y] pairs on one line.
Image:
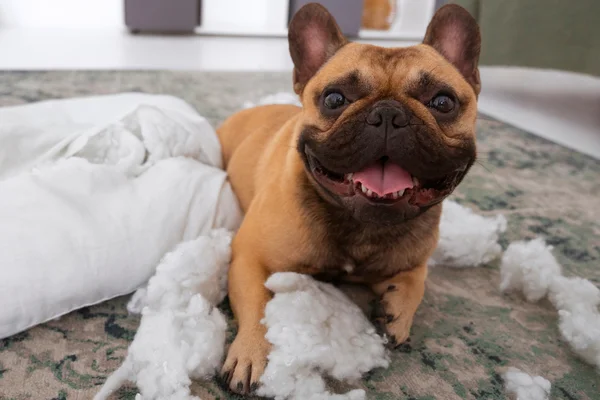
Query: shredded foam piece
[[582, 331], [315, 329], [574, 294], [577, 302], [467, 239], [525, 387], [182, 333], [531, 268], [275, 98]]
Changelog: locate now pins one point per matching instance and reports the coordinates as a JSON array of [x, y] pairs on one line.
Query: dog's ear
[[454, 33], [313, 37]]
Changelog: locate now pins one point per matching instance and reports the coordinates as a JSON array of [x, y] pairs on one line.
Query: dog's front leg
[[399, 298], [247, 357]]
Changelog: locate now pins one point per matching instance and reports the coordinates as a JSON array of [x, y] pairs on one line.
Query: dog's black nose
[[388, 114]]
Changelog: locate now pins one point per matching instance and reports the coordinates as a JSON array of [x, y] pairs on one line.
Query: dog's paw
[[245, 363], [391, 323]]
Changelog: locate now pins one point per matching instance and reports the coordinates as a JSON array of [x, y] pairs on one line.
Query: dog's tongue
[[384, 178]]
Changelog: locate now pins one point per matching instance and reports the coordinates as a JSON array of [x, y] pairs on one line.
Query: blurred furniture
[[554, 34], [348, 13], [162, 15]]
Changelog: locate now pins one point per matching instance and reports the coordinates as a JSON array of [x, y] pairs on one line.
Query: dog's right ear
[[314, 37]]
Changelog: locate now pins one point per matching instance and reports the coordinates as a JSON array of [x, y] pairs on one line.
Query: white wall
[[61, 14], [268, 17]]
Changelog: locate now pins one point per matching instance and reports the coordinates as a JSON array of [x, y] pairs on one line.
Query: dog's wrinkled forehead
[[392, 73]]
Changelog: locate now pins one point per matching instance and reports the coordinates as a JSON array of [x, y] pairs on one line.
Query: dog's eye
[[334, 100], [442, 103]]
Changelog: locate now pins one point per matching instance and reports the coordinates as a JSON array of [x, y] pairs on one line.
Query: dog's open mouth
[[384, 182]]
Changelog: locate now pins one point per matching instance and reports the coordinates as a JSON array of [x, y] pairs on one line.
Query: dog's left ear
[[314, 37], [454, 33]]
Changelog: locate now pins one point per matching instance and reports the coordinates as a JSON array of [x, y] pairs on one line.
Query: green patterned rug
[[465, 334]]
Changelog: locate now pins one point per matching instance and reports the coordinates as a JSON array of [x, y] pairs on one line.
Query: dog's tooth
[[350, 176], [415, 181], [400, 192], [369, 193], [364, 189], [395, 195]]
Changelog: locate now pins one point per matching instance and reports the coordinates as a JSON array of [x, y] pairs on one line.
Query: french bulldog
[[349, 187]]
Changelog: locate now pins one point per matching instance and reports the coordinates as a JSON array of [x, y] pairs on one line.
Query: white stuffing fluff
[[526, 387], [582, 331], [577, 302], [467, 239], [315, 329], [531, 268], [574, 294], [182, 333]]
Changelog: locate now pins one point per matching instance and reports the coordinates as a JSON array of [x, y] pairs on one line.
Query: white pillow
[[110, 193]]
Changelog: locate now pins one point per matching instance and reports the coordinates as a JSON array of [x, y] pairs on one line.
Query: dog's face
[[386, 132]]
